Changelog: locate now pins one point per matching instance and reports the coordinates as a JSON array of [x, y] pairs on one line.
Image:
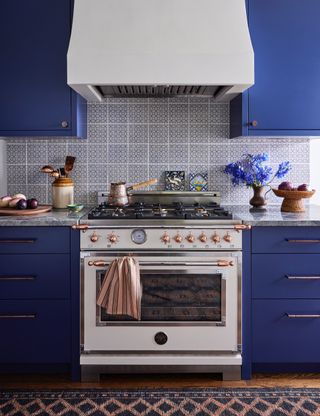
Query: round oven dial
[[165, 238], [227, 238], [203, 238], [216, 238], [139, 236], [113, 238], [178, 238], [94, 237], [190, 238]]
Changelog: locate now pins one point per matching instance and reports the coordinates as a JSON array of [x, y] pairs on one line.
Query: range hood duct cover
[[160, 48]]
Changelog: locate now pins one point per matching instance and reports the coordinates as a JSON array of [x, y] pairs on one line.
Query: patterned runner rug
[[156, 402]]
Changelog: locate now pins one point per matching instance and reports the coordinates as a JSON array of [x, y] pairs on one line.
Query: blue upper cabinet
[[35, 99], [285, 99]]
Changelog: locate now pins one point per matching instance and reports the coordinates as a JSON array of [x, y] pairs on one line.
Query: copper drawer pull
[[302, 241], [17, 316], [290, 315], [16, 241], [302, 277], [17, 277]]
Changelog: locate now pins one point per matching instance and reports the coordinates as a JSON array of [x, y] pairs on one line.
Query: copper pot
[[118, 195]]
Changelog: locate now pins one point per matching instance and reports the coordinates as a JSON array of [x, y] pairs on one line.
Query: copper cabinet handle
[[290, 315], [17, 241], [3, 277], [302, 277], [303, 241], [18, 316], [253, 123]]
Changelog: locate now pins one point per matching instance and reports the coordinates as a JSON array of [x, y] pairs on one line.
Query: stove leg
[[231, 373], [90, 374]]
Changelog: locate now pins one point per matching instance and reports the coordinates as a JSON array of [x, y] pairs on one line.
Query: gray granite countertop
[[56, 218], [272, 216]]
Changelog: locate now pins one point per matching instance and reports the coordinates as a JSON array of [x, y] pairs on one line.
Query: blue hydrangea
[[251, 171]]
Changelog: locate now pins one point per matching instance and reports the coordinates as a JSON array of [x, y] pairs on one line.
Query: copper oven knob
[[178, 238], [112, 238], [203, 238], [216, 238], [165, 238], [190, 238], [227, 238], [94, 237]]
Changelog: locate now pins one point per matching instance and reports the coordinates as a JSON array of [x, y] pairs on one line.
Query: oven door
[[189, 303]]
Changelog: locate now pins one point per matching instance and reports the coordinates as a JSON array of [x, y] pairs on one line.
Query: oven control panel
[[159, 238]]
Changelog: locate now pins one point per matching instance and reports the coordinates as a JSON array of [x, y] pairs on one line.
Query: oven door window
[[176, 296]]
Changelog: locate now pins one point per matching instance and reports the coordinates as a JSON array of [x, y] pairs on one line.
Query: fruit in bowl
[[285, 186], [18, 201], [304, 187], [293, 197]]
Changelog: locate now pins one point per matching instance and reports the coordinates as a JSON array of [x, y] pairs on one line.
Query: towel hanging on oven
[[121, 289]]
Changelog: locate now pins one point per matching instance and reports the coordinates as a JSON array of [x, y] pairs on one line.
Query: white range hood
[[160, 48]]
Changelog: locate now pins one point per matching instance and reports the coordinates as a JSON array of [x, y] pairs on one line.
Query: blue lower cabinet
[[25, 240], [286, 331], [279, 240], [35, 331], [33, 276], [289, 276]]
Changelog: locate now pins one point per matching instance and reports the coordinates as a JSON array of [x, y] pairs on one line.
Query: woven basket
[[293, 200]]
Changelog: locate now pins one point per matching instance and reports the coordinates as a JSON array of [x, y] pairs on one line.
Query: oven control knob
[[216, 238], [161, 338], [165, 238], [178, 238], [113, 238], [94, 237], [227, 238], [203, 238], [190, 238]]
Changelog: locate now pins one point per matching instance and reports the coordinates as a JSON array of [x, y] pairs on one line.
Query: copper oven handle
[[18, 316], [302, 277], [305, 241], [219, 263], [290, 315], [242, 227], [4, 277]]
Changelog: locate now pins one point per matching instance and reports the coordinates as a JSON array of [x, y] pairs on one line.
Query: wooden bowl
[[293, 200]]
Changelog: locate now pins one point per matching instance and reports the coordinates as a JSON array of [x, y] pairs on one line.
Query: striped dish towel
[[121, 288]]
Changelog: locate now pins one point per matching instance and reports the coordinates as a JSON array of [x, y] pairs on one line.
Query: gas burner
[[118, 212], [170, 211], [158, 210]]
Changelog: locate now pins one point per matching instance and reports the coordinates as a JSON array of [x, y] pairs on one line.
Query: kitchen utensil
[[55, 174], [118, 195], [68, 166], [293, 200], [47, 169], [41, 209]]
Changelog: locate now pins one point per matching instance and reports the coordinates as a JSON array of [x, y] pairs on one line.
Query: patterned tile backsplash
[[135, 139]]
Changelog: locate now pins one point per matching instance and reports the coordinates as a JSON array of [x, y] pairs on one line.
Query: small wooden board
[[41, 209]]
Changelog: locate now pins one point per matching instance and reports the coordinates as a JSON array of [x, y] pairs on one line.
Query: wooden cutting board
[[41, 209]]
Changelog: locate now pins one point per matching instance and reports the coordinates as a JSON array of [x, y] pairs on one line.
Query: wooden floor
[[159, 380]]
